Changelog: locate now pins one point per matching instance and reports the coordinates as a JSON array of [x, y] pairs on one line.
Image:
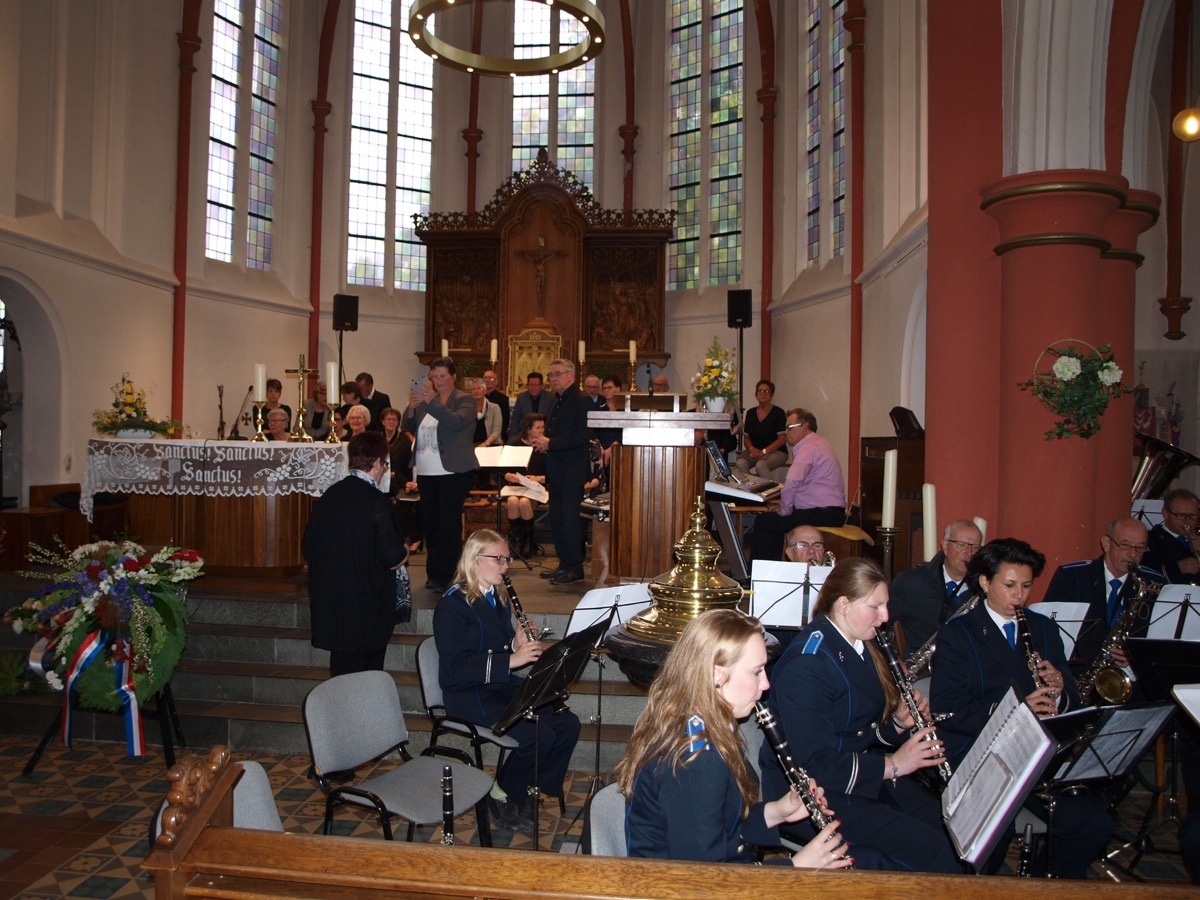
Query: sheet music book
[[1067, 616], [994, 779], [504, 456], [1120, 738], [1176, 613], [779, 597], [1188, 696], [526, 487]]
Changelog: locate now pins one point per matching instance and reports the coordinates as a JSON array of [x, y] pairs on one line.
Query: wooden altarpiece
[[543, 254]]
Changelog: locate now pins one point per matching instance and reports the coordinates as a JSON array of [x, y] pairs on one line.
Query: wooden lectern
[[657, 473]]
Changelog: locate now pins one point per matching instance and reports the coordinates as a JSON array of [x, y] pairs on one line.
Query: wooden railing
[[199, 854]]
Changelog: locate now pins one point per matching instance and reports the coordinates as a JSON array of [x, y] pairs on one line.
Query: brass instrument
[[796, 776], [447, 805], [884, 640], [829, 559], [1104, 677], [1032, 657], [918, 661], [527, 626]]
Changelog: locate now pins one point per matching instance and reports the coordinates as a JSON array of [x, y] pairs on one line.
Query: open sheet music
[[995, 777], [510, 456], [526, 487], [1188, 696], [1117, 741]]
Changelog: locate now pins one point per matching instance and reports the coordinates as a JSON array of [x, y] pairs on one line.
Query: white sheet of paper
[[779, 596], [1068, 616]]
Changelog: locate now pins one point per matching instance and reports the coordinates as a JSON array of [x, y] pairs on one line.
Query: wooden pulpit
[[657, 473]]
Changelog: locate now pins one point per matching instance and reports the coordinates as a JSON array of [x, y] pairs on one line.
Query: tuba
[[1105, 677]]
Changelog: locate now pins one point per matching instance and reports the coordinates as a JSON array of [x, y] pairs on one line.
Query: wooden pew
[[200, 855]]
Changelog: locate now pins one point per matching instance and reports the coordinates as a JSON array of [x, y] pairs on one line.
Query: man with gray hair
[[565, 444], [1173, 542], [924, 597]]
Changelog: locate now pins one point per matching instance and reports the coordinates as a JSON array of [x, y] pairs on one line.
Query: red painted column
[[1118, 291], [1052, 227]]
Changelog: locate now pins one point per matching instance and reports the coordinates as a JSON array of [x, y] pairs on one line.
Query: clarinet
[[910, 700], [531, 632], [796, 775], [447, 805], [1025, 859]]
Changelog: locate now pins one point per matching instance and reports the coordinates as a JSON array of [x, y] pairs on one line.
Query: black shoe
[[568, 576], [553, 573], [500, 813], [435, 587]]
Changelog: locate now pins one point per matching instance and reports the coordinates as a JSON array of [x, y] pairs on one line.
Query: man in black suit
[[375, 401], [1172, 551], [924, 597], [565, 444], [531, 400], [352, 546], [491, 383], [1104, 585]]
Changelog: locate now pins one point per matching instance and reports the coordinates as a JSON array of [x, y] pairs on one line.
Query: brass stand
[[888, 537], [299, 435], [632, 378], [259, 437]]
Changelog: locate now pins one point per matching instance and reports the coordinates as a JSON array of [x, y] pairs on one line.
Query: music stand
[[782, 594], [1175, 614], [549, 681], [1070, 617]]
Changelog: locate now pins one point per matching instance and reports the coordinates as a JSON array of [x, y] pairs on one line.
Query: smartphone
[[416, 383]]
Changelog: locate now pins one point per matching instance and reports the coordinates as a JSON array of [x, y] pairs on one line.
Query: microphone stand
[[234, 434], [220, 412]]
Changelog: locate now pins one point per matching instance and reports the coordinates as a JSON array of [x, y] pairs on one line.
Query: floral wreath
[[1077, 388]]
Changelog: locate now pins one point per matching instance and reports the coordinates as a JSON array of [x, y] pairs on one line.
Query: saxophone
[[530, 630], [918, 661], [884, 640], [1105, 677], [1032, 657]]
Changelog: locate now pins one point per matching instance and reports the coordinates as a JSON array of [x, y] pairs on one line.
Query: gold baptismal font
[[694, 586]]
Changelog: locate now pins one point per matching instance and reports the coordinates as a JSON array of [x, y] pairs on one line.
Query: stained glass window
[[812, 125], [557, 112], [705, 152], [825, 118], [838, 62], [242, 129], [391, 133]]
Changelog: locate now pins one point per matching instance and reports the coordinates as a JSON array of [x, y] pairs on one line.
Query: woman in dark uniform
[[842, 715], [691, 792], [479, 651]]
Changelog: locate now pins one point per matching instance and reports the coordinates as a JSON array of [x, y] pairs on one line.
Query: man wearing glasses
[[804, 544], [924, 597], [1173, 541], [1105, 586]]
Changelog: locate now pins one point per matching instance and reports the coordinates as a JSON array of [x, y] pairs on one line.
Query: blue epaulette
[[1153, 574], [1077, 564], [696, 730], [813, 643]]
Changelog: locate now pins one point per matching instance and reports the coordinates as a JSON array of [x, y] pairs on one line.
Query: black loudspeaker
[[739, 309], [345, 312]]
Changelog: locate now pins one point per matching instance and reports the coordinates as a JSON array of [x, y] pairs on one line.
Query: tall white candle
[[889, 488], [981, 524], [582, 351], [929, 516], [445, 347], [495, 350], [334, 389], [633, 353], [260, 382]]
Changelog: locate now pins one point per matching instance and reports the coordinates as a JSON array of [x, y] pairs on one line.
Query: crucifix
[[299, 435], [538, 260]]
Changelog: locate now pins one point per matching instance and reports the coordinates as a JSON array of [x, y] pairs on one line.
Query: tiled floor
[[77, 827]]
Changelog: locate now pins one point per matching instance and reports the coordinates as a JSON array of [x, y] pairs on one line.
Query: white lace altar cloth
[[209, 468]]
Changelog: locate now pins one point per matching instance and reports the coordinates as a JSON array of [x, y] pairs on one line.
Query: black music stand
[[550, 681], [491, 462]]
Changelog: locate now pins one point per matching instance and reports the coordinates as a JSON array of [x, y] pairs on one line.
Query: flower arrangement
[[716, 376], [1077, 388], [111, 623], [128, 412]]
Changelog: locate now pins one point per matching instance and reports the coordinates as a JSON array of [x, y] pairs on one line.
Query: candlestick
[[888, 519], [260, 383], [495, 351], [929, 517], [333, 396], [445, 347], [887, 538], [981, 524], [633, 353]]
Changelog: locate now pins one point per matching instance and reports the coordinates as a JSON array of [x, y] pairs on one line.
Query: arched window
[[553, 111], [825, 119], [706, 152], [391, 132], [241, 131]]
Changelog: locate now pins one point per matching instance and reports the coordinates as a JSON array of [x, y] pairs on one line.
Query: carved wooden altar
[[544, 254]]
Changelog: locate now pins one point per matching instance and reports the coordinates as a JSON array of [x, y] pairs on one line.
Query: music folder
[[504, 456], [995, 777]]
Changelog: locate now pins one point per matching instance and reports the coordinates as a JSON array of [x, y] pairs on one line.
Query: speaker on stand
[[740, 317], [345, 318]]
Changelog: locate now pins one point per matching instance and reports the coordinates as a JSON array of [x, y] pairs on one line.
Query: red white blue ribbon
[[135, 739], [92, 646]]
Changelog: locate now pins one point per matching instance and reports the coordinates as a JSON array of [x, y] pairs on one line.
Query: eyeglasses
[[1190, 517], [1132, 548], [805, 545], [963, 545], [557, 374], [502, 560], [795, 425], [763, 390]]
